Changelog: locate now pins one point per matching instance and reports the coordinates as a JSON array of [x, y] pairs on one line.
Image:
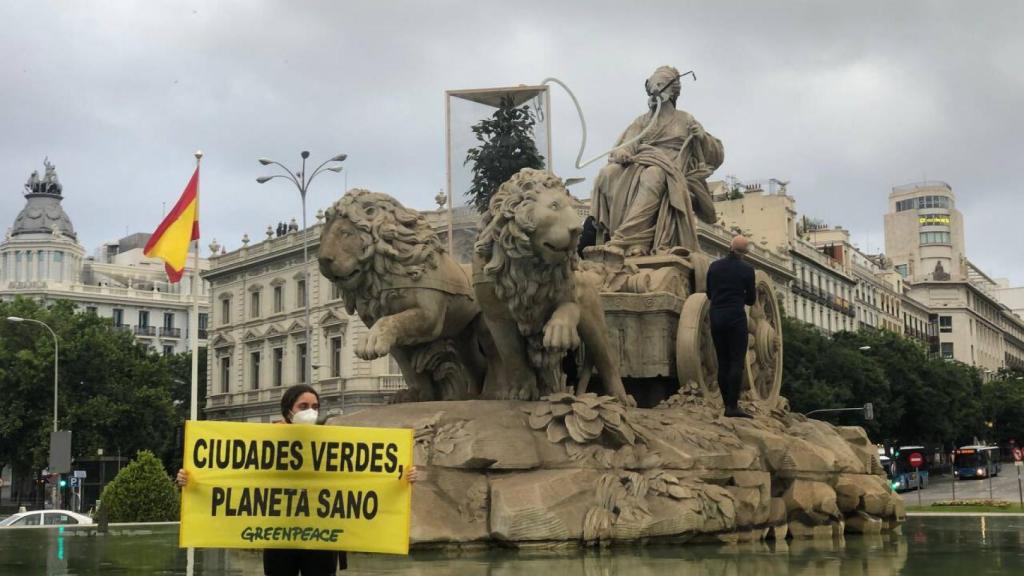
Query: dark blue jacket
[[731, 283]]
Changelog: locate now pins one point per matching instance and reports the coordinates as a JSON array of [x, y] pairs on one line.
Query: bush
[[141, 492]]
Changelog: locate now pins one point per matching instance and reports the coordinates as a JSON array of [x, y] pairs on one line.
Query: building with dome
[[41, 258]]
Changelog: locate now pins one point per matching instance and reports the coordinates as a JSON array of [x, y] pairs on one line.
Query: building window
[[278, 366], [254, 368], [143, 318], [168, 320], [204, 324], [300, 296], [945, 323], [225, 311], [935, 238], [254, 305], [168, 350], [118, 316], [946, 350], [336, 356], [58, 261], [225, 373], [300, 358], [335, 292], [278, 299], [90, 310]]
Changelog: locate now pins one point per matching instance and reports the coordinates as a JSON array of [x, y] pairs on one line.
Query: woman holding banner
[[300, 404]]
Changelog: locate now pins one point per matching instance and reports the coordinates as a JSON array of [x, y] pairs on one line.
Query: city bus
[[904, 476], [976, 462]]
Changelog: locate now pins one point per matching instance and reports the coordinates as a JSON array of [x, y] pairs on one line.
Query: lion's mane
[[398, 242], [530, 286]]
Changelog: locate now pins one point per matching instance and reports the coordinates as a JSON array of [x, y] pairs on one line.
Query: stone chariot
[[658, 318]]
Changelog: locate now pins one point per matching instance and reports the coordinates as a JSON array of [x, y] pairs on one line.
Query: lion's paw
[[376, 344], [560, 336]]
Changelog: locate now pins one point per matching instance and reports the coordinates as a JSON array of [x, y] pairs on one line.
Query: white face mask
[[308, 416]]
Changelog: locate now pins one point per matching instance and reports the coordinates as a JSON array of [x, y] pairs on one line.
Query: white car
[[46, 518]]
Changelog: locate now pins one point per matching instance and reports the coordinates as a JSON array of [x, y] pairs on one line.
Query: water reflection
[[933, 546]]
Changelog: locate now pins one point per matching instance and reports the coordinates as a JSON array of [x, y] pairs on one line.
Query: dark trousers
[[278, 562], [729, 333]]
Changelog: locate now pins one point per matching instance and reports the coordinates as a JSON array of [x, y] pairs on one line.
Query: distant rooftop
[[923, 184]]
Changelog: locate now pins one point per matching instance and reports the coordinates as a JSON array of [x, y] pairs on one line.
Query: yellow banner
[[295, 486]]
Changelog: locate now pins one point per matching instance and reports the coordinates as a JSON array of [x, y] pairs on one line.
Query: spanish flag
[[171, 240]]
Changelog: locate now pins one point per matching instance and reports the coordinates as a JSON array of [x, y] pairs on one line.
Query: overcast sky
[[843, 99]]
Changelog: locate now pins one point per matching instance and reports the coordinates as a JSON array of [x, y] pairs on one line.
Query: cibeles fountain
[[565, 399]]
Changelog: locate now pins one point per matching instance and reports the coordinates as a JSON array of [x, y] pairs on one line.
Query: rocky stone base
[[588, 470]]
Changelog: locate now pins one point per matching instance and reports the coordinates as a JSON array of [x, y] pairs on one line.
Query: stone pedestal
[[588, 470]]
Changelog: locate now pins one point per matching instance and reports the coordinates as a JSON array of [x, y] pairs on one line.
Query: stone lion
[[417, 302], [536, 303]]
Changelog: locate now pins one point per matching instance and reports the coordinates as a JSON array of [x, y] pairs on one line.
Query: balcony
[[392, 383], [123, 327], [145, 330], [167, 332]]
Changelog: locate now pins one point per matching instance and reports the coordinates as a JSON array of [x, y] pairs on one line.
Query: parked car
[[45, 518]]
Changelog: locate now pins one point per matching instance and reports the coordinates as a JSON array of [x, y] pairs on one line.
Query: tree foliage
[[1003, 407], [141, 492], [114, 392], [506, 146], [918, 398]]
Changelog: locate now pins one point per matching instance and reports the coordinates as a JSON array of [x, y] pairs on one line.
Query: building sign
[[294, 486], [933, 220]]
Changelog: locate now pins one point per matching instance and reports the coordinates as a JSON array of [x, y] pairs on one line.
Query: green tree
[[917, 398], [114, 392], [1003, 407], [180, 366], [820, 372], [506, 146], [141, 492]]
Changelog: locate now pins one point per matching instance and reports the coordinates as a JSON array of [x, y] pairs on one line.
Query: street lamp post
[[56, 359], [302, 182]]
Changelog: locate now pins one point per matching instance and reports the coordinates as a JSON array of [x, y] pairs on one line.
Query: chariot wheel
[[763, 374], [695, 351]]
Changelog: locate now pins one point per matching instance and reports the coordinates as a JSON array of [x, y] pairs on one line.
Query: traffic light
[[63, 483]]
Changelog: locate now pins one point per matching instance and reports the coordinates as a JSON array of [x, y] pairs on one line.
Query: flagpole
[[194, 321], [193, 406]]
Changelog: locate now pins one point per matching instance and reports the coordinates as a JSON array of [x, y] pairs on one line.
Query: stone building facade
[[258, 346], [823, 289], [40, 258], [924, 237]]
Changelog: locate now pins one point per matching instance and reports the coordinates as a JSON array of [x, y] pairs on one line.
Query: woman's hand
[[182, 478], [414, 475]]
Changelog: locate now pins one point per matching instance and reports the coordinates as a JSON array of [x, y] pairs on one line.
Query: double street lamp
[[56, 358], [302, 181]]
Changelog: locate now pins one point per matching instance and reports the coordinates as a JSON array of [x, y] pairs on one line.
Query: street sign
[[74, 481], [79, 473], [916, 460], [1018, 455], [60, 452]]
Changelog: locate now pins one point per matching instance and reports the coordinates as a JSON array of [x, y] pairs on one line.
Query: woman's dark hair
[[291, 395]]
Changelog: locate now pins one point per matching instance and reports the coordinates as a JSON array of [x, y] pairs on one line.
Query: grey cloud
[[845, 100]]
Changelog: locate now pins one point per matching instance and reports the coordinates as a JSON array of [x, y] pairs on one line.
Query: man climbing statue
[[730, 288]]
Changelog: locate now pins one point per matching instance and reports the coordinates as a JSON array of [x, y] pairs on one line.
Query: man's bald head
[[740, 245]]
